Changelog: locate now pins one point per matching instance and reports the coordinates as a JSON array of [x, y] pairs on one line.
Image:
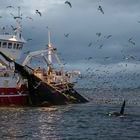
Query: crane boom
[[32, 54]]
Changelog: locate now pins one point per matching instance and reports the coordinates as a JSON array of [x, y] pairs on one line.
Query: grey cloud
[[82, 21]]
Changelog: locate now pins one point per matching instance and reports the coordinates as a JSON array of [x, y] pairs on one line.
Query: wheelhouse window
[[20, 46], [10, 45], [17, 46], [14, 46], [4, 44]]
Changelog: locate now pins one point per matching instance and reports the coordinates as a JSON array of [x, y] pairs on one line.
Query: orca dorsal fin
[[122, 108]]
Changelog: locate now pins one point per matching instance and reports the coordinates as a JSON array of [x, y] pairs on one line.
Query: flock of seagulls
[[37, 11], [99, 43]]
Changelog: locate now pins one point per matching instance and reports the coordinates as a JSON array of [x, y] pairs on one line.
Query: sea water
[[76, 121]]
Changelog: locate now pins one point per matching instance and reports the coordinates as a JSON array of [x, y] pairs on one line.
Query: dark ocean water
[[77, 121]]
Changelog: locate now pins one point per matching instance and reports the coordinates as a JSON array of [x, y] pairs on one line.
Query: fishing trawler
[[12, 91], [23, 84], [49, 84]]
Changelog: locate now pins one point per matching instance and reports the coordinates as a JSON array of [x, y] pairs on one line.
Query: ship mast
[[49, 49], [18, 21], [49, 53], [52, 52]]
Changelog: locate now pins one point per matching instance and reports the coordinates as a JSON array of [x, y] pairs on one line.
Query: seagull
[[100, 46], [98, 34], [132, 57], [67, 2], [64, 63], [131, 41], [3, 28], [66, 35], [38, 12], [107, 57], [89, 58], [100, 9], [126, 58], [29, 39], [108, 36], [89, 44], [29, 18], [27, 52], [14, 28], [10, 7]]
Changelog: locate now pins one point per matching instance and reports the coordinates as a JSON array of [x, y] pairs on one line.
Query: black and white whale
[[117, 114]]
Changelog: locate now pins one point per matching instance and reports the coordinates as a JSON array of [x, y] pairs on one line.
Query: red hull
[[13, 97]]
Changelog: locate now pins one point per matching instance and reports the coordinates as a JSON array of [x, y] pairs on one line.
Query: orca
[[118, 114]]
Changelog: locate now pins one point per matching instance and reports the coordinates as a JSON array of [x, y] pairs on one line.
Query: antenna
[[19, 14], [19, 18], [49, 39], [18, 11]]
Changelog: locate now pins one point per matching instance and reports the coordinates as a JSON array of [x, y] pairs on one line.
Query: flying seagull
[[67, 2], [98, 34], [100, 9], [132, 57], [10, 7], [89, 58], [29, 18], [100, 46], [29, 39], [66, 35], [14, 28], [3, 28], [38, 12], [27, 52], [131, 41], [108, 36], [89, 44], [107, 57]]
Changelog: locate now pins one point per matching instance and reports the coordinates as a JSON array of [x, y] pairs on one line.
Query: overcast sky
[[120, 20]]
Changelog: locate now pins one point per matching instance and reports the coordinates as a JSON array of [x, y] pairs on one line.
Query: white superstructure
[[11, 45]]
